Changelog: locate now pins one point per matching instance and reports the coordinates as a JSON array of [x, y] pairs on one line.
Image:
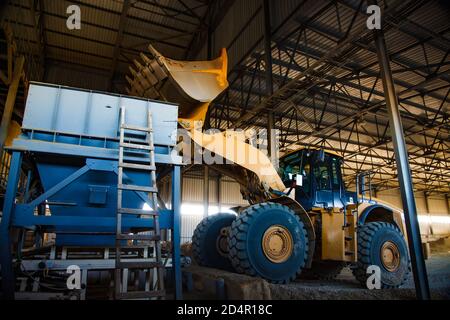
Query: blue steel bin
[[74, 133]]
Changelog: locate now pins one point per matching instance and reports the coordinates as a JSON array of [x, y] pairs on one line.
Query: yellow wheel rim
[[277, 244], [222, 242], [390, 256]]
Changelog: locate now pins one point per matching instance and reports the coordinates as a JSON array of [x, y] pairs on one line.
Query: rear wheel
[[210, 241], [269, 241], [383, 245]]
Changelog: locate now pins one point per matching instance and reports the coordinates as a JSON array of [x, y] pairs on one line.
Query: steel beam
[[404, 171], [122, 22]]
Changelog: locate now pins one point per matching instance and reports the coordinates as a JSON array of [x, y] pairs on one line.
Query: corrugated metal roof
[[418, 37]]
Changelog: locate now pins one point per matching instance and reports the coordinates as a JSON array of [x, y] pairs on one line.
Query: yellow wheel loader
[[301, 220]]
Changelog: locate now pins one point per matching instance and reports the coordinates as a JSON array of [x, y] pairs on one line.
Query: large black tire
[[245, 243], [205, 241], [371, 238]]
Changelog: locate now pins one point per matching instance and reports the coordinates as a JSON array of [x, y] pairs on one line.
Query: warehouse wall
[[436, 216], [192, 201], [433, 216]]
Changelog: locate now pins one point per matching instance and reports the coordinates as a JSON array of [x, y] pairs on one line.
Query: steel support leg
[[403, 169], [206, 191], [5, 225], [176, 231]]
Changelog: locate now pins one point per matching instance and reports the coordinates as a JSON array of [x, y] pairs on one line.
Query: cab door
[[322, 183]]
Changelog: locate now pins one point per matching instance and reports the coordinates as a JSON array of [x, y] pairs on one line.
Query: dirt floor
[[345, 287]]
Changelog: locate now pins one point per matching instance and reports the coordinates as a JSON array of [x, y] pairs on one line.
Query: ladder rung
[[131, 140], [141, 294], [138, 237], [138, 211], [138, 265], [136, 146], [135, 128], [137, 166], [136, 188]]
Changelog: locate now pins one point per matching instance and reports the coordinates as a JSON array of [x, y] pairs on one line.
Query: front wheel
[[268, 240], [383, 245]]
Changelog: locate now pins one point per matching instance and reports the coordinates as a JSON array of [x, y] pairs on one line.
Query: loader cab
[[316, 177]]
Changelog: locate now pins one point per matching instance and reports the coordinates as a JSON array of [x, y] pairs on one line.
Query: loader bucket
[[191, 84]]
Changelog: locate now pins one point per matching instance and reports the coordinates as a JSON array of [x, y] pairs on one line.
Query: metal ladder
[[133, 145]]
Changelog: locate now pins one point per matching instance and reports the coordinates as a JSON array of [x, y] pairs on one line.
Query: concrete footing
[[237, 286]]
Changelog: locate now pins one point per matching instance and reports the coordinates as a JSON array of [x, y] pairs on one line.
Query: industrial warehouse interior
[[225, 150]]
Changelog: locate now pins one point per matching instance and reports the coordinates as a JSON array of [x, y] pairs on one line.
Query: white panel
[[421, 204], [72, 110], [438, 216], [188, 224], [212, 190], [437, 205], [390, 196], [192, 189], [230, 193]]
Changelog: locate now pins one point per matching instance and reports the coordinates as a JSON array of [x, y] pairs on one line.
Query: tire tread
[[365, 235], [237, 249]]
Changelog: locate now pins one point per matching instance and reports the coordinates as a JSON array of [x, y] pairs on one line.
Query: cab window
[[306, 180], [293, 165], [322, 176]]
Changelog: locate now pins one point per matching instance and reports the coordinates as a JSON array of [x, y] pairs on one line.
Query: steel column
[[205, 191], [268, 48], [117, 47], [269, 80], [176, 231], [11, 100], [7, 272], [447, 198], [219, 192], [427, 206], [403, 169]]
